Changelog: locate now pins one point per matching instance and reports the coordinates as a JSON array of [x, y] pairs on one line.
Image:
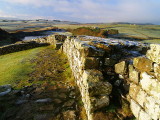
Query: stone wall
[[92, 62], [143, 76], [85, 62], [19, 47], [101, 65], [29, 44]]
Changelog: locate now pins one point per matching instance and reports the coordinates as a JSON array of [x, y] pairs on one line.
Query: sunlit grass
[[16, 66]]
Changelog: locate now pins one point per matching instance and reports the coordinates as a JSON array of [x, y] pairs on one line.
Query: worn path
[[49, 93]]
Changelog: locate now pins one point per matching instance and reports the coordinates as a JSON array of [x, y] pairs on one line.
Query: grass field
[[147, 33], [16, 66]]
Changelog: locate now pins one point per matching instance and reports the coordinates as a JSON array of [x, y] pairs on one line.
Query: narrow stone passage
[[49, 94]]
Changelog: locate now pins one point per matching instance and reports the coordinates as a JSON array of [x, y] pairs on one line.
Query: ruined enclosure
[[112, 71]]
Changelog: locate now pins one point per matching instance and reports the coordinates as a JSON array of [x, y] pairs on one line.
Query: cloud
[[96, 10], [3, 14]]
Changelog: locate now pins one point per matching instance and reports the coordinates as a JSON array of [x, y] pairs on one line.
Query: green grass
[[16, 66], [148, 33]]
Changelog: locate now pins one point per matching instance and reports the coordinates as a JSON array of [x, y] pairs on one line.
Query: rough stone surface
[[151, 85], [133, 90], [157, 71], [100, 88], [144, 116], [121, 67], [92, 63], [154, 53], [133, 74], [152, 107], [135, 108], [143, 64], [100, 102], [141, 97]]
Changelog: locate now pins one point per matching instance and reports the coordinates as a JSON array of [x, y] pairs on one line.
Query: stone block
[[157, 71], [133, 74], [91, 51], [99, 88], [141, 97], [143, 64], [154, 53], [135, 108], [91, 76], [103, 46], [152, 108], [134, 90], [121, 68], [150, 85], [144, 116], [92, 63], [100, 102]]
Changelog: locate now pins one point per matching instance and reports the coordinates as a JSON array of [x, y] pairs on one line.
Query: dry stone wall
[[85, 62], [143, 75], [100, 64]]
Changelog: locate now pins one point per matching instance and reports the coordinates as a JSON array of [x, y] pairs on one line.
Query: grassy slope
[[16, 66]]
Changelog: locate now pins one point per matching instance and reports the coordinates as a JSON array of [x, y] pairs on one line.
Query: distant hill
[[3, 19], [132, 23]]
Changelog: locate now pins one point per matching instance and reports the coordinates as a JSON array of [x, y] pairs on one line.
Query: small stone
[[134, 76], [19, 102], [69, 115], [62, 95], [28, 95], [58, 101], [69, 103], [100, 102], [44, 100], [99, 88], [118, 82]]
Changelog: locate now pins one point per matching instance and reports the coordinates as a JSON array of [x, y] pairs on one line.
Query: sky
[[86, 11]]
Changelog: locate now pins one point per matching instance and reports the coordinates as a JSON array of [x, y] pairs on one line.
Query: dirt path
[[50, 94]]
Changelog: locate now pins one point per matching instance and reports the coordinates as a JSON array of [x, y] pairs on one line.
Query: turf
[[16, 66]]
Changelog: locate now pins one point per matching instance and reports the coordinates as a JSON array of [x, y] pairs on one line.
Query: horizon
[[83, 11]]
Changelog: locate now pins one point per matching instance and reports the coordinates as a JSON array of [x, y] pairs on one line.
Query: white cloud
[[99, 10]]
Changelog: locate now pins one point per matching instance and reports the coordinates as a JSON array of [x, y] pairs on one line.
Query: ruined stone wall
[[97, 62], [19, 47], [143, 76], [33, 43], [85, 62]]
